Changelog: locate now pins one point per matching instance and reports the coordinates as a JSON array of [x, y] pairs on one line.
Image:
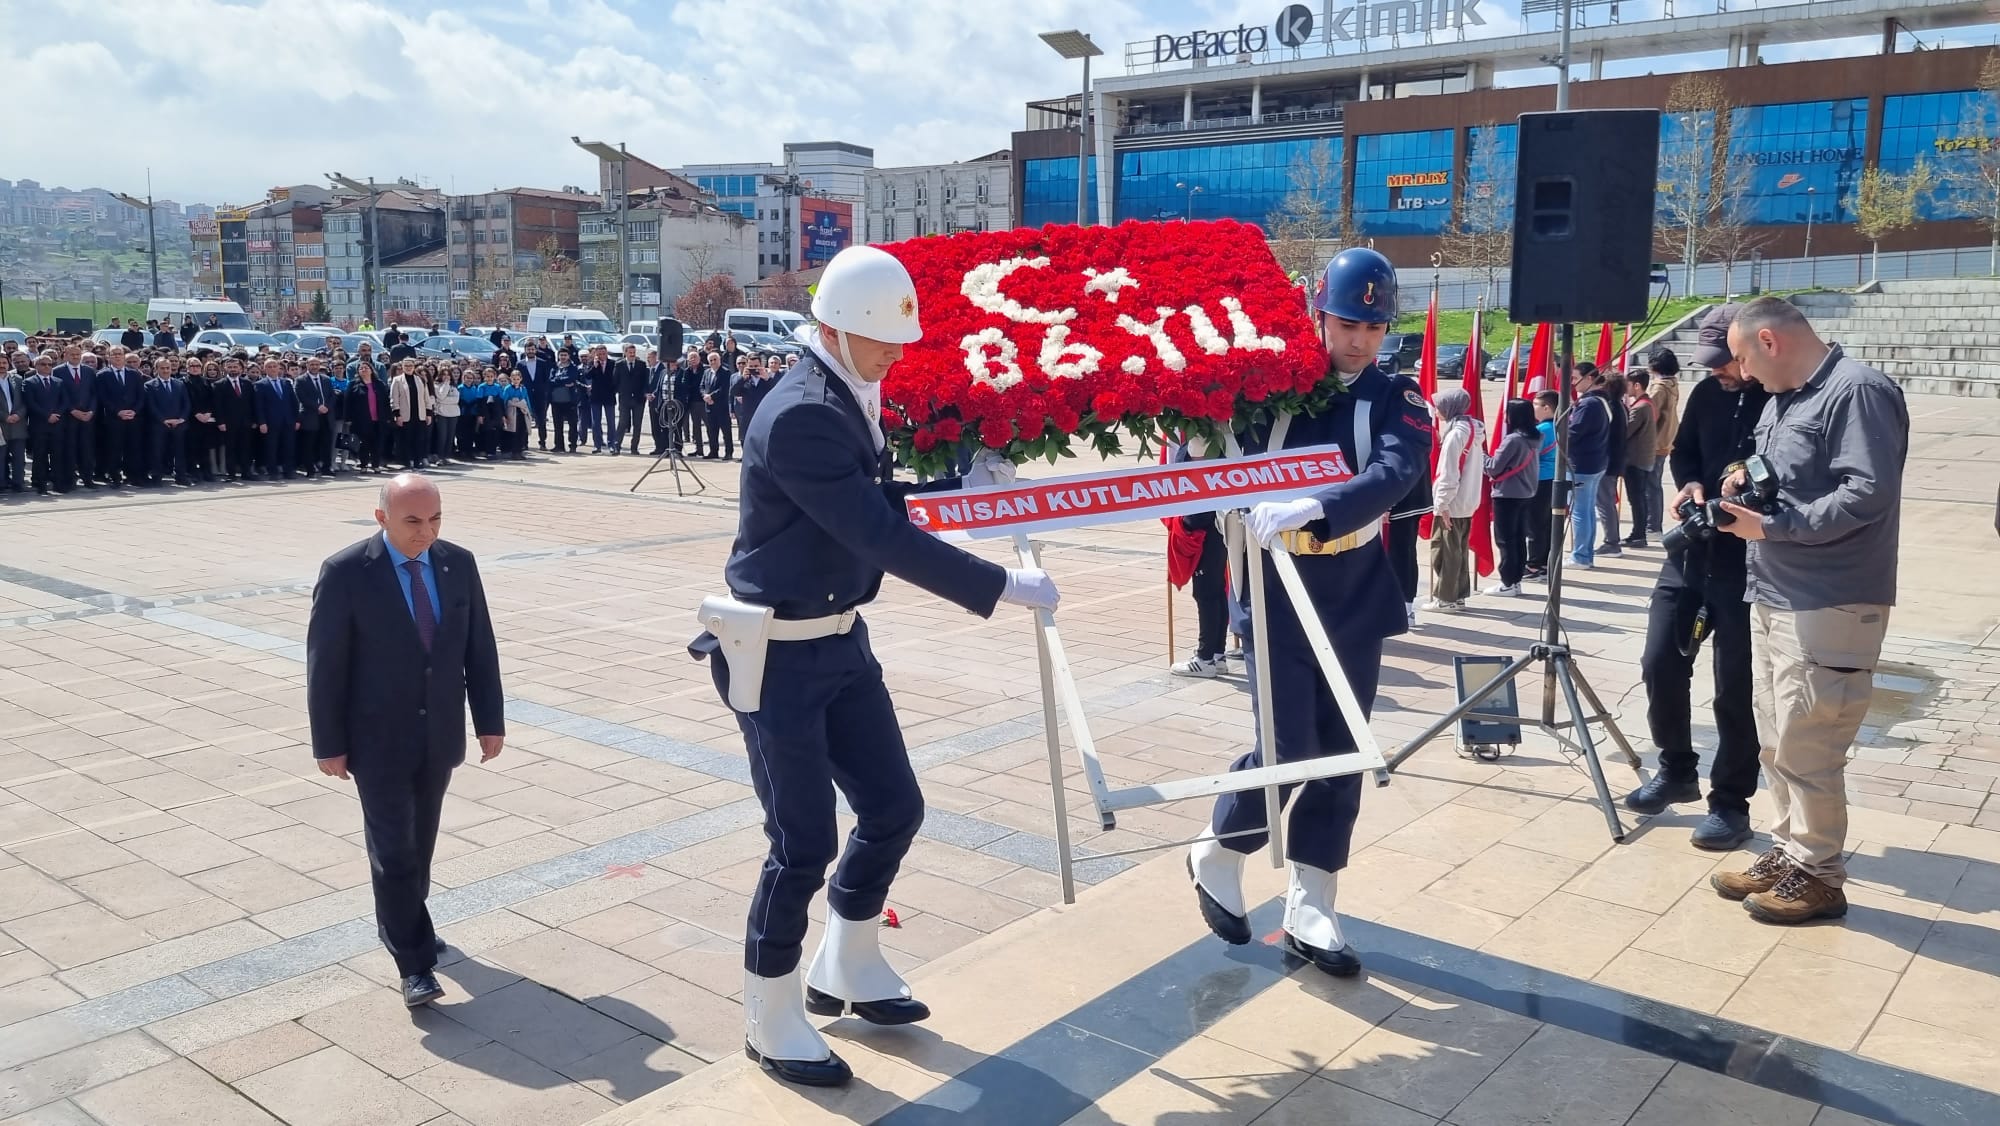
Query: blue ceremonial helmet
[[1358, 285]]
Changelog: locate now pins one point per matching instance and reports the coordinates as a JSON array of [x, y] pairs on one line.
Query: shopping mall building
[[1412, 99]]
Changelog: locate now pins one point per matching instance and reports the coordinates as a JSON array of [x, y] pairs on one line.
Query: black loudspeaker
[[1583, 216], [671, 343]]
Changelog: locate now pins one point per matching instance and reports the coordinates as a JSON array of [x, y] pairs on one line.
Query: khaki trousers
[[1814, 676], [1451, 570]]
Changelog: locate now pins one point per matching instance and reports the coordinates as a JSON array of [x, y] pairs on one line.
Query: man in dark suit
[[400, 640], [631, 375], [317, 414], [536, 368], [601, 410], [121, 389], [235, 406], [79, 427], [687, 392], [47, 400], [278, 419], [167, 412]]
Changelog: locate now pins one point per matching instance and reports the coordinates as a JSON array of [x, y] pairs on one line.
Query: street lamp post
[[1076, 45], [1192, 191], [622, 160], [152, 240], [373, 267], [1811, 273]]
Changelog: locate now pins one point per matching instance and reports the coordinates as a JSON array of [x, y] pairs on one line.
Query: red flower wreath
[[1037, 339]]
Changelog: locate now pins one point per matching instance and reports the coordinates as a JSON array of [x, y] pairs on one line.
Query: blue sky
[[224, 99]]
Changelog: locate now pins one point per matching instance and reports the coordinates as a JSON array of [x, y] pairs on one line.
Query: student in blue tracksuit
[[1382, 424], [819, 522]]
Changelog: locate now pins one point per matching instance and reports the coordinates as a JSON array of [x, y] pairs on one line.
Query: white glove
[[1271, 518], [1031, 587], [989, 468]]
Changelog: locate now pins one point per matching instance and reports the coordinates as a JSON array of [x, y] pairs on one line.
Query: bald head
[[410, 512], [1775, 344]]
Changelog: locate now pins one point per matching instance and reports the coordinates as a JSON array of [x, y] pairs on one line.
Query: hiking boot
[[1660, 791], [1721, 831], [1762, 876], [1798, 898]]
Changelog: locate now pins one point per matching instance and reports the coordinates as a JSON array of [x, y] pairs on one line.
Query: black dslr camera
[[1700, 522]]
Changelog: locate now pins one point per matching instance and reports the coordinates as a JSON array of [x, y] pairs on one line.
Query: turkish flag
[[1427, 382], [1482, 520]]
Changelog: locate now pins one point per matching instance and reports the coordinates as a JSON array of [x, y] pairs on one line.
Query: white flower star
[[1109, 283]]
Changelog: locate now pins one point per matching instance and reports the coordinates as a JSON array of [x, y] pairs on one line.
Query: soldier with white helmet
[[820, 522]]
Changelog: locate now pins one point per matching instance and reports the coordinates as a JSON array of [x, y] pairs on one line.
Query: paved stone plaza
[[185, 926]]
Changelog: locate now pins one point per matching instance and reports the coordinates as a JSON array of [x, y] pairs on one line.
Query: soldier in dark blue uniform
[[820, 521], [1381, 423]]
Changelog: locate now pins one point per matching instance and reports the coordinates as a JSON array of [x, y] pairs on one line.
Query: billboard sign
[[825, 228]]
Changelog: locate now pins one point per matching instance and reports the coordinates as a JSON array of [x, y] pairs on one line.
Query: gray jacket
[[1511, 469], [18, 431], [1838, 445]]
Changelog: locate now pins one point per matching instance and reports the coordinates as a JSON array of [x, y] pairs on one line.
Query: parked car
[[644, 340], [15, 335], [214, 341], [320, 326], [305, 343], [1496, 368], [1451, 362], [105, 337], [1399, 351], [769, 343], [471, 347]]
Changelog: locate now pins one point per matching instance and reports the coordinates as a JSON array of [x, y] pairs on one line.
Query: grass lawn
[[20, 311], [1455, 326]]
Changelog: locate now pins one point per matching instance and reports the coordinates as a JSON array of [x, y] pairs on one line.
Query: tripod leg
[[1625, 753], [1564, 674], [1505, 675]]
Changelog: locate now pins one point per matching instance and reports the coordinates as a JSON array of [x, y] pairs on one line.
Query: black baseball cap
[[1711, 349]]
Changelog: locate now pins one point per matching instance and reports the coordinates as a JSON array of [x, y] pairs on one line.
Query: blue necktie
[[420, 603]]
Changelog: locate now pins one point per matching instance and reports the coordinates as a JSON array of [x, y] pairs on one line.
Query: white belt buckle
[[846, 623]]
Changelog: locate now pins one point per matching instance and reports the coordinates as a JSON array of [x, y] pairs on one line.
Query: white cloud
[[223, 100]]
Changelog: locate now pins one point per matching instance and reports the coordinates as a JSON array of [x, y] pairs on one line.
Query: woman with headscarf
[[1461, 480], [1513, 477]]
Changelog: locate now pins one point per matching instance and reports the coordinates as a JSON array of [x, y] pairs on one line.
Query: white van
[[227, 314], [780, 321], [554, 320]]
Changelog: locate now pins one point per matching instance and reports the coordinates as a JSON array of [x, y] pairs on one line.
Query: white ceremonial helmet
[[867, 292]]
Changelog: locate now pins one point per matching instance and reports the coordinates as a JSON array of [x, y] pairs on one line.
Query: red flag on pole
[[1541, 374], [1481, 540], [1513, 370], [1604, 347], [1427, 382], [1625, 349]]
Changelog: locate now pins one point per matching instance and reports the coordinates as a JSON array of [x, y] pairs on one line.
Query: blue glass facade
[[1246, 181], [1687, 157], [1402, 182], [1778, 152], [728, 185], [1492, 158], [1947, 130], [1048, 191]]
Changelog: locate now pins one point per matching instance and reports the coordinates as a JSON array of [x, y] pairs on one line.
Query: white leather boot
[[849, 975], [779, 1038], [1312, 929], [1218, 883]]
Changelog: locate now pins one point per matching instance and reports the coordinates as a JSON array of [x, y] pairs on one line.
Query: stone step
[[1986, 388], [1878, 300], [1873, 350], [1852, 336]]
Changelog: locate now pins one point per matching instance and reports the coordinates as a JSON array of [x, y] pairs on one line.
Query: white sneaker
[[1203, 668], [1412, 610], [1440, 606], [1511, 590]]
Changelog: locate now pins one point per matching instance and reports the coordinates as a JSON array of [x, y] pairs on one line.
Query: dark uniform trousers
[[401, 805], [826, 722], [1355, 595], [1308, 724], [166, 451], [1669, 677]]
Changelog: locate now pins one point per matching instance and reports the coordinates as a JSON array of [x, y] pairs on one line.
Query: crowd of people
[[144, 415]]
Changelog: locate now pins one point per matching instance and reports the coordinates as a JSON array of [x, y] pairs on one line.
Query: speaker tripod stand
[[667, 418], [1553, 654]]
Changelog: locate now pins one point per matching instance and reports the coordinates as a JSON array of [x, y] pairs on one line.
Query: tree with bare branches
[[708, 300], [1703, 196], [1969, 168], [556, 281], [1309, 222], [788, 291], [1481, 234], [1887, 202]]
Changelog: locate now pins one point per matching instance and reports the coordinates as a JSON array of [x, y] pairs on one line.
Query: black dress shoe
[[829, 1072], [1230, 928], [1660, 791], [421, 989], [437, 943], [897, 1010], [1343, 962]]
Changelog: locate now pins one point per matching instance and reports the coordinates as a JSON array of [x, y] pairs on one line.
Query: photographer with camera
[[1700, 592], [1822, 557]]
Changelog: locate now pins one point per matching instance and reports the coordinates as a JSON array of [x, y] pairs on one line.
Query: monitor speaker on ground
[[671, 342], [1583, 215]]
